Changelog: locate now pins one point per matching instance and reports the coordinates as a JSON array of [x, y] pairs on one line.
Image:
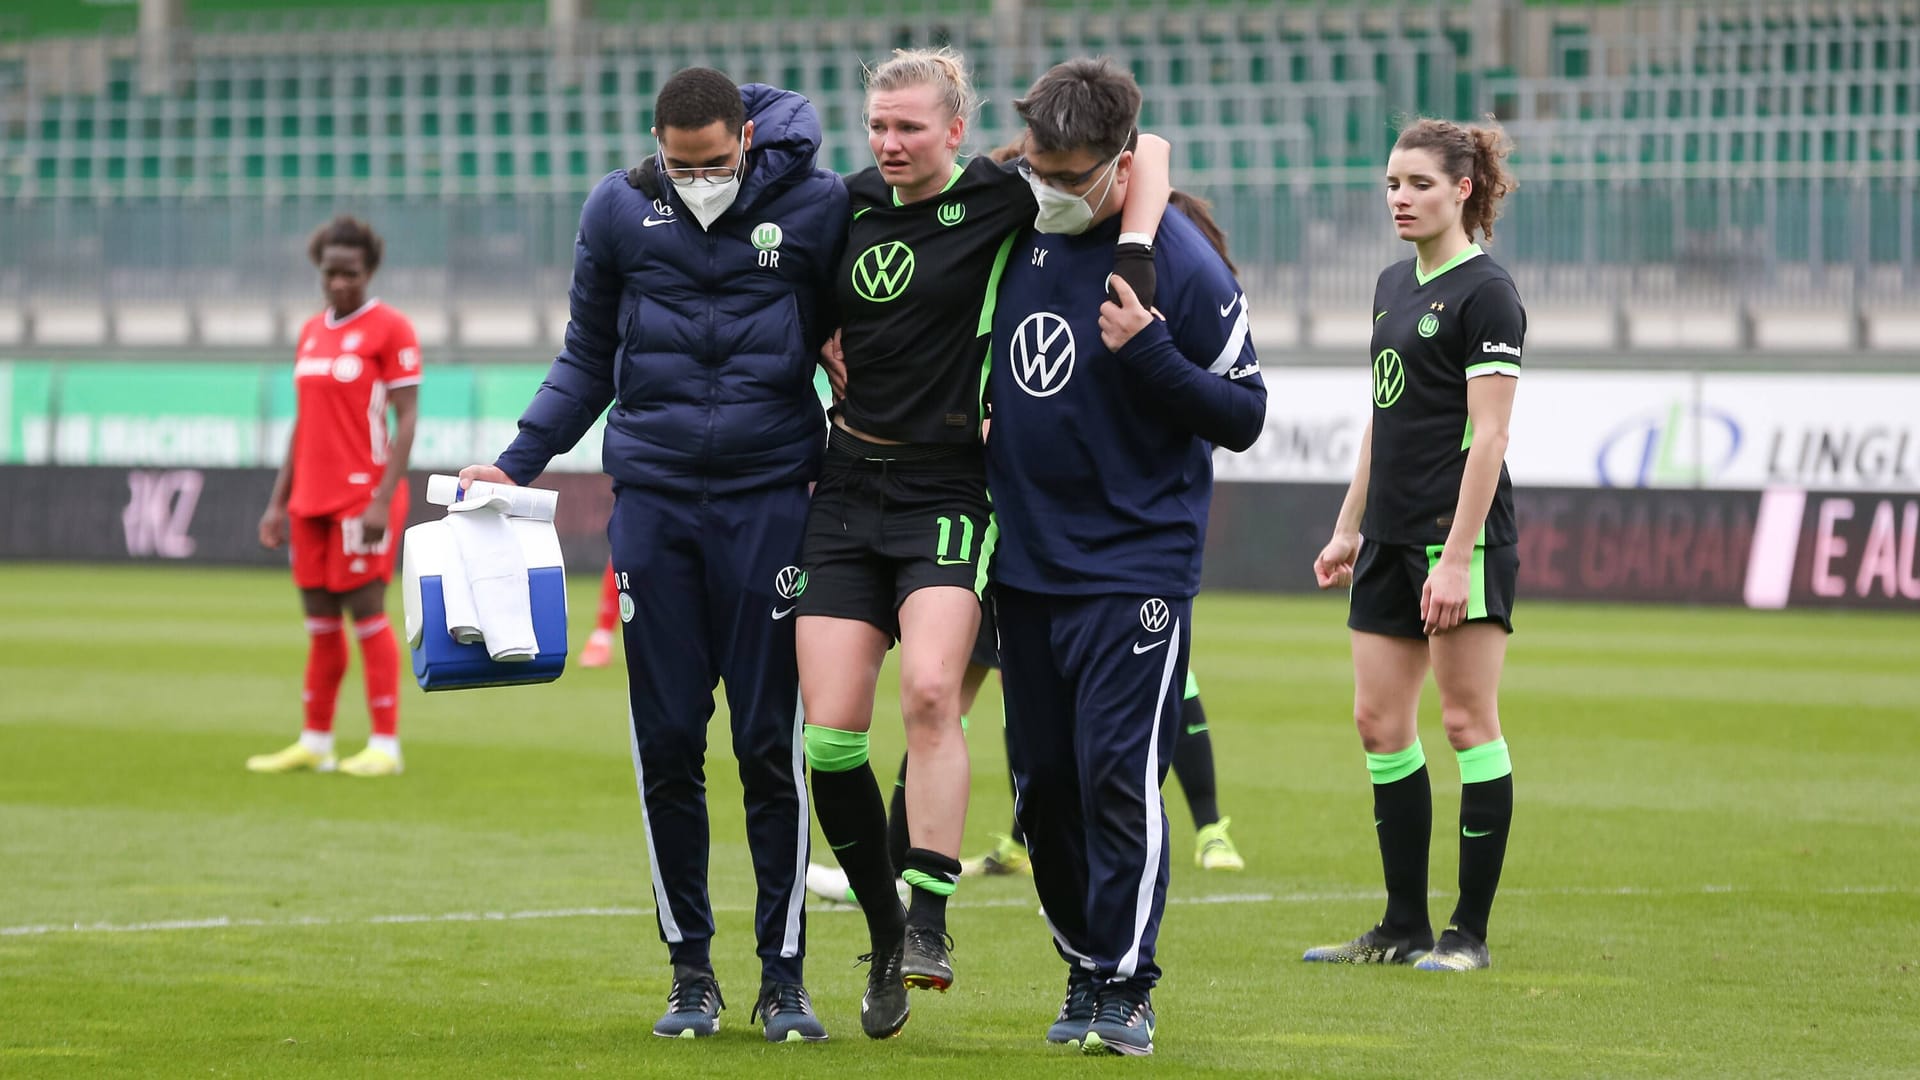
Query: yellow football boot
[[371, 762], [292, 759]]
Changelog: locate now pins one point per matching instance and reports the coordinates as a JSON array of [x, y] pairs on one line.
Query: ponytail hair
[[1472, 151], [1200, 212]]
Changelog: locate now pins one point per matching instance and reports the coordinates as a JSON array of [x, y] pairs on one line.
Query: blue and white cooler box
[[436, 577]]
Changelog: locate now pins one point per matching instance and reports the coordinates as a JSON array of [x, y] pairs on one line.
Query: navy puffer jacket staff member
[[698, 311]]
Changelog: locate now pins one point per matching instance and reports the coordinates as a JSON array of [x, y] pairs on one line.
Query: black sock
[[854, 822], [1486, 814], [1403, 819], [1193, 764], [933, 877], [898, 838]]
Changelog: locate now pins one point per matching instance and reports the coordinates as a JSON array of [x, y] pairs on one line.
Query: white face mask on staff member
[[1062, 209], [708, 201], [704, 167]]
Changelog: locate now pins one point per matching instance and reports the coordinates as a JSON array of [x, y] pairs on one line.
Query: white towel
[[463, 621], [496, 581]]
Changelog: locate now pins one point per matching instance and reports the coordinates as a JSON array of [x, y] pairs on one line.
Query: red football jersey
[[341, 377]]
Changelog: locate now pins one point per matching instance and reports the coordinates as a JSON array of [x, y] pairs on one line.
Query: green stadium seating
[[1665, 107]]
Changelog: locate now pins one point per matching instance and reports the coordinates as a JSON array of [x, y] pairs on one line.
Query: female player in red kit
[[341, 496]]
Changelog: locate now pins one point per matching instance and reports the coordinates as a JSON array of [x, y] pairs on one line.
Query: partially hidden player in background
[[1213, 846], [340, 499], [1433, 580], [598, 651], [901, 527], [1106, 414], [698, 312]]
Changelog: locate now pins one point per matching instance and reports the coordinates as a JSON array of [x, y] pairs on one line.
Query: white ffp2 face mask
[[1067, 214], [708, 201]]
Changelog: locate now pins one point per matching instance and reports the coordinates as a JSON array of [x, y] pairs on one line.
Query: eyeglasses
[[1025, 169], [1026, 173], [714, 175]]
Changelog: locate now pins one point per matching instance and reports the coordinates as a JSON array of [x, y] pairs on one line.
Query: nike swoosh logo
[[1139, 648], [1470, 834], [1227, 308], [1195, 729], [1377, 823], [1380, 316], [778, 614], [652, 221], [952, 562], [843, 847]]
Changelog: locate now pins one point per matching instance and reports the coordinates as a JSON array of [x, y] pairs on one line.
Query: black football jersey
[[915, 292], [1432, 333]]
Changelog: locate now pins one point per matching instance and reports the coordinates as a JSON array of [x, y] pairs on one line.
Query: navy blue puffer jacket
[[704, 341]]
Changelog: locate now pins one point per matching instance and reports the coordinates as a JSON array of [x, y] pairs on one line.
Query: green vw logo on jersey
[[767, 236], [1389, 378], [1429, 324], [952, 213], [882, 272]]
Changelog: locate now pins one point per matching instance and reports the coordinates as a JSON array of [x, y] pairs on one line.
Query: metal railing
[[1736, 161]]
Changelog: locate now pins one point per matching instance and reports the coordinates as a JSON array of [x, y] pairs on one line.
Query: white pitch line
[[224, 922]]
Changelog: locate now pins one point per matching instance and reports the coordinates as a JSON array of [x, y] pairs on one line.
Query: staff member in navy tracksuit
[[1101, 472], [698, 289]]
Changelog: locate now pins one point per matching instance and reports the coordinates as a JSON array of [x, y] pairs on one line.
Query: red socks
[[380, 656], [609, 602], [326, 665]]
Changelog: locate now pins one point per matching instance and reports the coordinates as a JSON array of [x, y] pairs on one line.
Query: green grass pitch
[[1715, 865]]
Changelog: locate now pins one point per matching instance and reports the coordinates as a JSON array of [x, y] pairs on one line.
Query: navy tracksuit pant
[[707, 591], [1093, 691]]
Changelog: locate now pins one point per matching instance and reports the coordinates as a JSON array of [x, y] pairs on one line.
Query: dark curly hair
[[347, 231], [1468, 150]]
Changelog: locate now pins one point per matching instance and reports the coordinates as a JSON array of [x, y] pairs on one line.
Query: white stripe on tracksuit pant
[[1093, 689], [703, 580]]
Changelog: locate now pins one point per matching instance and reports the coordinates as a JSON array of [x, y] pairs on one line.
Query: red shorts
[[328, 552]]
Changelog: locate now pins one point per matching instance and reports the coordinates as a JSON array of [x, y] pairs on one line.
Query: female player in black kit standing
[[901, 528], [1433, 581]]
